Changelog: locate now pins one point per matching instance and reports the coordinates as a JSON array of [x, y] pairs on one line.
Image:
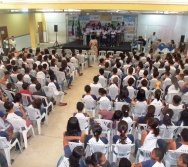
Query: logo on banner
[[117, 18], [94, 17]]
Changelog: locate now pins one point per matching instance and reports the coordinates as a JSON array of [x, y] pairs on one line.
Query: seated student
[[40, 73], [119, 70], [58, 94], [115, 83], [114, 71], [130, 75], [156, 100], [183, 121], [140, 69], [156, 155], [88, 93], [45, 61], [75, 63], [125, 111], [15, 72], [124, 162], [174, 87], [27, 77], [5, 78], [181, 144], [107, 67], [108, 59], [166, 121], [166, 81], [172, 68], [33, 82], [130, 83], [144, 84], [73, 129], [80, 107], [104, 100], [20, 78], [97, 159], [96, 130], [180, 80], [149, 137], [149, 114], [25, 89], [101, 63], [124, 96], [183, 160], [175, 104], [95, 82], [101, 77]]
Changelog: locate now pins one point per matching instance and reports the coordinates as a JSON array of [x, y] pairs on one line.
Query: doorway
[[40, 32], [3, 34]]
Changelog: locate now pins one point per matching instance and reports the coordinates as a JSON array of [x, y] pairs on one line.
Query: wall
[[167, 27], [56, 19]]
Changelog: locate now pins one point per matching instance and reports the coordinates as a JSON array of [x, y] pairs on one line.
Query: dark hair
[[150, 113], [101, 71], [40, 67], [167, 117], [184, 135], [33, 79], [73, 127], [19, 77], [184, 117], [17, 97], [87, 88], [34, 66], [130, 70], [38, 86], [141, 95], [123, 94], [175, 82], [8, 105], [177, 99], [77, 154], [130, 81], [117, 115], [145, 72], [52, 77], [159, 153], [124, 162], [122, 129], [102, 91], [152, 122], [184, 157], [15, 68], [80, 106], [114, 70], [125, 110], [25, 85], [97, 130], [95, 79], [155, 74], [144, 82], [37, 103], [27, 70], [94, 159], [158, 94]]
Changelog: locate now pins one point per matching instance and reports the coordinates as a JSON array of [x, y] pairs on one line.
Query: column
[[32, 30]]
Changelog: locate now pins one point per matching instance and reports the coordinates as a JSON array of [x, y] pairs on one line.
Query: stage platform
[[125, 47]]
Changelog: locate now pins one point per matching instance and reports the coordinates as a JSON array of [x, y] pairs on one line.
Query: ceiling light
[[25, 10], [14, 10], [166, 12]]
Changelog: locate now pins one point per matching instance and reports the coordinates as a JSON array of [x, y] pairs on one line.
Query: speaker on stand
[[56, 44]]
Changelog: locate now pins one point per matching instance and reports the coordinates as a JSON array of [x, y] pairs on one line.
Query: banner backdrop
[[76, 23]]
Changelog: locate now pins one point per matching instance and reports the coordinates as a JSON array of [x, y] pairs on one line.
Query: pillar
[[32, 30]]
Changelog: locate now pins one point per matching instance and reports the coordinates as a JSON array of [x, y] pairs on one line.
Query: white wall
[[167, 27], [56, 19]]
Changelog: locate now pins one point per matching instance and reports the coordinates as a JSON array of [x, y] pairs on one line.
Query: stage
[[125, 47]]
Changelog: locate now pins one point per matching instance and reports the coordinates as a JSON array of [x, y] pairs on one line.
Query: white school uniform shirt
[[80, 115], [183, 148], [55, 91], [113, 34], [47, 68], [153, 38], [93, 141], [13, 43], [106, 106], [104, 34], [98, 32], [127, 119], [40, 74]]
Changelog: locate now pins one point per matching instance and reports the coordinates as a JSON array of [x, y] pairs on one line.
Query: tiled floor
[[44, 150]]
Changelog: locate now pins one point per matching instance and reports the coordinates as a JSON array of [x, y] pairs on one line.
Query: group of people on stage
[[108, 34], [8, 45]]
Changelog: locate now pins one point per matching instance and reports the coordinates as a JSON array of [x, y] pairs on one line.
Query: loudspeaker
[[182, 38], [55, 28]]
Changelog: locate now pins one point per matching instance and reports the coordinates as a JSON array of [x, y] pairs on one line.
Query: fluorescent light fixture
[[72, 10], [25, 10], [46, 10], [117, 11], [14, 10], [166, 12]]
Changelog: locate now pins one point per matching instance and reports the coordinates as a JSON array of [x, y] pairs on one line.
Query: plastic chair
[[26, 99], [139, 129], [111, 52], [130, 127], [7, 146], [90, 104], [72, 145], [2, 108], [92, 54], [103, 82], [121, 151], [64, 163], [34, 115], [20, 126], [48, 91], [84, 123], [118, 105], [167, 132], [9, 94], [144, 156]]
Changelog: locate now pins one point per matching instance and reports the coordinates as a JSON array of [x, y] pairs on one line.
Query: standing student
[[12, 43], [84, 37], [113, 35], [153, 37]]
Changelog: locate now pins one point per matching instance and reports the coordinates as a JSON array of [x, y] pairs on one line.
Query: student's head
[[130, 70], [125, 110], [37, 103], [117, 115], [184, 135], [9, 86], [167, 117], [8, 105], [150, 113], [122, 129], [141, 95], [77, 153], [181, 77], [157, 154], [115, 80], [44, 66], [97, 130], [101, 71], [176, 99], [155, 74], [87, 89], [144, 83], [73, 127], [183, 160], [124, 93], [38, 86], [27, 70], [114, 70], [130, 81], [106, 65], [40, 67], [33, 80], [184, 117], [15, 68], [124, 162], [153, 124], [101, 60], [102, 91], [52, 78], [145, 73], [158, 94], [95, 79], [96, 159], [175, 82], [167, 68], [7, 74], [17, 97], [25, 86], [118, 64], [80, 106]]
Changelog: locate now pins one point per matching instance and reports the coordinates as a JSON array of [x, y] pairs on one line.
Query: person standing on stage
[[12, 43], [98, 35], [153, 38], [84, 37], [94, 44], [118, 32], [88, 33], [113, 37], [104, 36], [122, 32]]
